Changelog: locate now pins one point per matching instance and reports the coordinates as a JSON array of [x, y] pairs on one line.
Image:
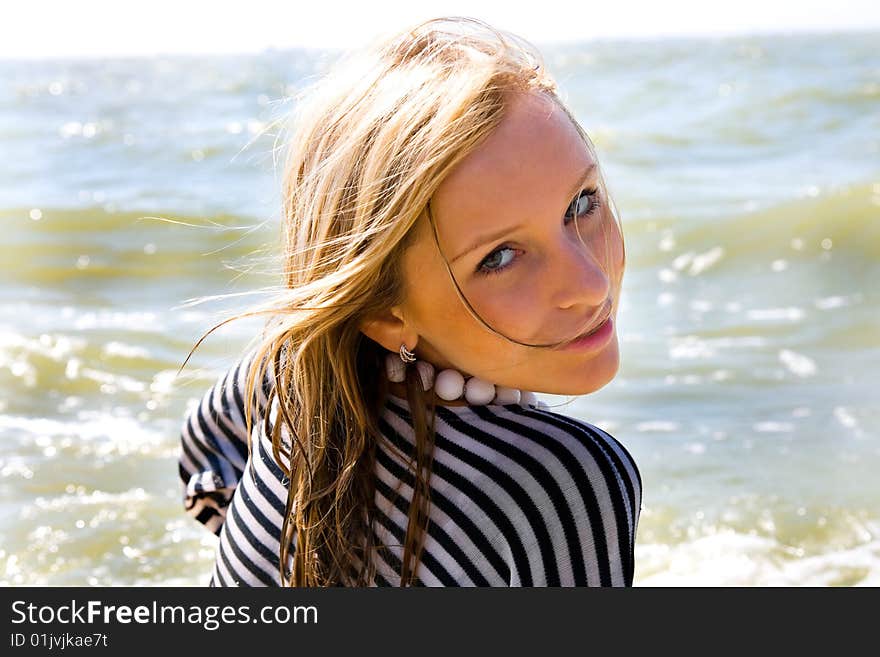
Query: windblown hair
[[370, 144]]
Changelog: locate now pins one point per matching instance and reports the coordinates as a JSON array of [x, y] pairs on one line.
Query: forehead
[[524, 168]]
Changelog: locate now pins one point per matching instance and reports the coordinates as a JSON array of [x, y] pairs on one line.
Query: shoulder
[[233, 384], [572, 430], [561, 443], [549, 426], [559, 483]]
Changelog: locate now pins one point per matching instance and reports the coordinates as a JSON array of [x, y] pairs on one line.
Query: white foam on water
[[92, 433], [667, 242], [56, 347], [829, 303], [163, 382], [690, 347], [113, 319], [665, 299], [20, 369], [770, 314], [15, 466], [657, 425], [69, 502], [111, 382], [773, 427], [704, 261], [737, 342], [730, 558], [845, 417], [125, 350], [848, 420], [798, 364], [722, 375], [682, 261], [16, 351]]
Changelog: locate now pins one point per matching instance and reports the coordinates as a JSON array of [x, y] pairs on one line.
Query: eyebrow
[[491, 237]]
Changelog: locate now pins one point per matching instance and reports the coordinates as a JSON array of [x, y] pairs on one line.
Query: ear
[[389, 329]]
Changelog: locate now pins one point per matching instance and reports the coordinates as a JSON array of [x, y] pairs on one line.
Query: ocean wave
[[843, 222], [732, 558]]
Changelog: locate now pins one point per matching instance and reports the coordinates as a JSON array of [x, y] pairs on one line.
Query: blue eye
[[582, 205], [585, 203], [495, 261]]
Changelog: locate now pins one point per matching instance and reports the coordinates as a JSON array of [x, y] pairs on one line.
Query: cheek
[[516, 311], [439, 314], [512, 308]]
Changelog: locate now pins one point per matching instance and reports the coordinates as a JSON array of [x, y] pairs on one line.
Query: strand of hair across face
[[467, 303]]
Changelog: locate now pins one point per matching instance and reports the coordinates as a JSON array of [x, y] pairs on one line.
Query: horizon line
[[611, 38]]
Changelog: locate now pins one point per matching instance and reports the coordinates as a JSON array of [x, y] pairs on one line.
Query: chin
[[594, 376]]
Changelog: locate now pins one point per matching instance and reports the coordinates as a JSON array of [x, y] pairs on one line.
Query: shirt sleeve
[[214, 444]]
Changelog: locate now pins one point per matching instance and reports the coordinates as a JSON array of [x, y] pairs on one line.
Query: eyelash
[[588, 193]]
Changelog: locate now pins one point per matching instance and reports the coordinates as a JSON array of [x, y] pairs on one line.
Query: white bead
[[506, 395], [449, 385], [395, 368], [426, 373], [528, 398], [478, 391]]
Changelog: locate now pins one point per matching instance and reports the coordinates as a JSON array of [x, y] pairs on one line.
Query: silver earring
[[405, 354]]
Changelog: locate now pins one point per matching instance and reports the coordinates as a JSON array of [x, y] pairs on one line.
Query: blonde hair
[[371, 142]]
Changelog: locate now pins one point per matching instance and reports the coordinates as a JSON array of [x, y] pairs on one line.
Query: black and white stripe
[[519, 496]]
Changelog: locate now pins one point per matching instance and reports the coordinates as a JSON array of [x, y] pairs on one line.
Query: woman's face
[[507, 220]]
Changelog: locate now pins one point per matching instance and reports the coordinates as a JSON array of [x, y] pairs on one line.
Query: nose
[[579, 278]]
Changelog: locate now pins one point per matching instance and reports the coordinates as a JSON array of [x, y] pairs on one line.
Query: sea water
[[747, 175]]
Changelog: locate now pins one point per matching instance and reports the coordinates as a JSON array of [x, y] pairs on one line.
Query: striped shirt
[[520, 496]]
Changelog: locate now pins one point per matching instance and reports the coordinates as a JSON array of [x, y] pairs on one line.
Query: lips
[[605, 315], [595, 328]]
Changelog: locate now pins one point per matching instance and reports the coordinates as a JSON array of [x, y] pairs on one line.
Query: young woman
[[450, 249]]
